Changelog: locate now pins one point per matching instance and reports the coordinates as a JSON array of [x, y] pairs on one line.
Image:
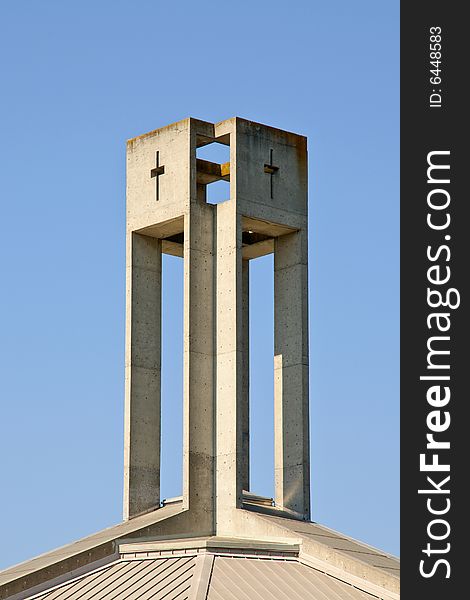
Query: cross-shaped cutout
[[271, 169], [156, 172]]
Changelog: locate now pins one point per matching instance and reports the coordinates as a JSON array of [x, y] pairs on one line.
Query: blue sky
[[79, 78]]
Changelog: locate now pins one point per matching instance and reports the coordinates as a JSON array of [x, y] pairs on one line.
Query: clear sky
[[78, 79]]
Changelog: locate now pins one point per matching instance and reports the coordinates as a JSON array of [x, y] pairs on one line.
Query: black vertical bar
[[157, 183], [433, 130], [272, 173]]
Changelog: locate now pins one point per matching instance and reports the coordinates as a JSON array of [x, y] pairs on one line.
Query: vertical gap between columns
[[172, 377], [261, 354]]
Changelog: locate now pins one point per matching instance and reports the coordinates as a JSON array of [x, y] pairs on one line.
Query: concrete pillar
[[143, 374], [291, 411], [199, 370], [245, 399], [229, 362]]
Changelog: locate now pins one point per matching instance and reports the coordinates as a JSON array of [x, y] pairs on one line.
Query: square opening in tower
[[213, 171]]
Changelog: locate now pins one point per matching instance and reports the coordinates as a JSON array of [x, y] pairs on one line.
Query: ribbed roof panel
[[158, 579], [226, 577], [259, 579]]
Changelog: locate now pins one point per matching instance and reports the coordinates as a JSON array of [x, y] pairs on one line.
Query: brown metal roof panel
[[151, 579], [111, 580], [260, 579], [83, 585], [170, 583], [247, 578]]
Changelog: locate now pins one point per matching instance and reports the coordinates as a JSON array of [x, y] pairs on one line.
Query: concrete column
[[199, 369], [143, 376], [291, 412], [229, 364], [245, 400]]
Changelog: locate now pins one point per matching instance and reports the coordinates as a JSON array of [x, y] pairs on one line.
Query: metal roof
[[205, 576], [168, 578], [256, 579]]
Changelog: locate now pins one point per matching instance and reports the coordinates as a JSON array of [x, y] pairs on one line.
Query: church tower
[[265, 213], [220, 539]]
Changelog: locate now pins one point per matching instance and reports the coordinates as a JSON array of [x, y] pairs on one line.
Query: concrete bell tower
[[221, 539], [266, 212]]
